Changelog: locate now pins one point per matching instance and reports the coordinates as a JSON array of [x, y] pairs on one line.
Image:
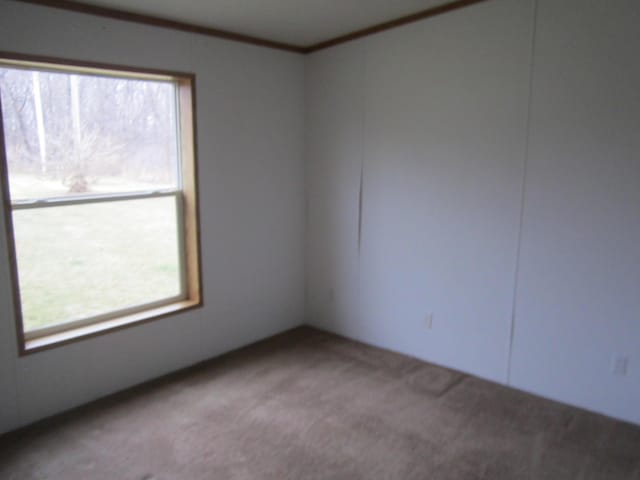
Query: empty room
[[320, 239]]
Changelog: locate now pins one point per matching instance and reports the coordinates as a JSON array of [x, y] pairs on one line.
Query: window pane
[[76, 134], [79, 261]]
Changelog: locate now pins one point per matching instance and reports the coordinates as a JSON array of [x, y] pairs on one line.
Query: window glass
[[77, 134], [81, 261]]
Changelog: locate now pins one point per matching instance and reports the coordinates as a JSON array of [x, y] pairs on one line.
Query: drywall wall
[[444, 139], [469, 126], [250, 107], [436, 114], [578, 302], [333, 152]]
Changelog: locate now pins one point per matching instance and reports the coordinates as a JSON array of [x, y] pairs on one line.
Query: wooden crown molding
[[398, 22], [95, 10], [81, 7]]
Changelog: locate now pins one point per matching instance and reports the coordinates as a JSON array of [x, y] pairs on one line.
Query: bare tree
[[88, 128]]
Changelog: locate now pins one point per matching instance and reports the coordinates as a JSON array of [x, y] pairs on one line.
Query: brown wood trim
[[108, 326], [163, 23], [123, 15], [398, 22], [187, 121], [42, 61], [11, 247]]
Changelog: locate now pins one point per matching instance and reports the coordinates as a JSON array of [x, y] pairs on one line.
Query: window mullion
[[62, 201]]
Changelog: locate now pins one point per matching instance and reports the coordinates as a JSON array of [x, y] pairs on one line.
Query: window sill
[[75, 334]]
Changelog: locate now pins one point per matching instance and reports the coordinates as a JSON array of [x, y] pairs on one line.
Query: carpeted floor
[[309, 405]]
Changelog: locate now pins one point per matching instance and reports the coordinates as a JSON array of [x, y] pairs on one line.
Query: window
[[100, 197]]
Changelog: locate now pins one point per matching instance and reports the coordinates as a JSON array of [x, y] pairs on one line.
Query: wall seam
[[523, 192], [306, 316], [305, 195], [363, 103]]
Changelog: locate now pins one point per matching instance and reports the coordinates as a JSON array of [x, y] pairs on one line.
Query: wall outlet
[[428, 321], [619, 364]]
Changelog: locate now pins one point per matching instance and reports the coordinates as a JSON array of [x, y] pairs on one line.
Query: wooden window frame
[[186, 198]]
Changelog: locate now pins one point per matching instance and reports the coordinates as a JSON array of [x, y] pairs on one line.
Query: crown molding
[[80, 7], [155, 21], [398, 22]]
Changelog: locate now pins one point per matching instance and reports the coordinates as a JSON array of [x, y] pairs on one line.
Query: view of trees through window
[[78, 134], [80, 140]]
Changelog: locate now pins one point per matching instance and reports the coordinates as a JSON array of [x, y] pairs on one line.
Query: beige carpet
[[308, 405]]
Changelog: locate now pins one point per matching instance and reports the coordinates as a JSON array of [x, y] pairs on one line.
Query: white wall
[[436, 113], [333, 169], [250, 106], [579, 285], [444, 117]]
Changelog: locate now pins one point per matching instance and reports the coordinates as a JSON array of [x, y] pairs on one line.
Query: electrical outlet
[[619, 364], [428, 321]]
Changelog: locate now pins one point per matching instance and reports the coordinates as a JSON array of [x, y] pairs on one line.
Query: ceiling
[[295, 22]]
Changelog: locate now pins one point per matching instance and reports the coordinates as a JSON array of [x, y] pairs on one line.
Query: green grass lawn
[[85, 260], [28, 186]]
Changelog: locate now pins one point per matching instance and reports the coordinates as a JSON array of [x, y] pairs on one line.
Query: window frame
[[186, 197]]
